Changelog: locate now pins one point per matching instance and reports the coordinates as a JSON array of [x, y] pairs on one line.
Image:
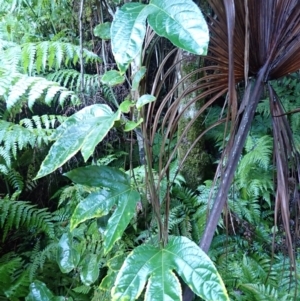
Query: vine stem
[[81, 46]]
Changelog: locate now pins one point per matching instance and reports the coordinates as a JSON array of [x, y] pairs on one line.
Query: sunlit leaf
[[144, 99], [182, 22], [112, 78], [155, 266], [89, 269], [84, 130], [97, 204], [120, 218], [131, 125], [125, 106], [127, 33], [137, 78], [39, 291], [68, 257]]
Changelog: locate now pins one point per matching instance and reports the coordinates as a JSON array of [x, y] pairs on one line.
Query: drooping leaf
[[137, 78], [103, 31], [144, 99], [182, 22], [99, 130], [89, 269], [155, 265], [120, 218], [131, 125], [112, 78], [125, 106], [68, 257], [84, 130], [127, 33]]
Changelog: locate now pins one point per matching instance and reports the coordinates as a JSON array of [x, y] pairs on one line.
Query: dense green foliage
[[117, 221]]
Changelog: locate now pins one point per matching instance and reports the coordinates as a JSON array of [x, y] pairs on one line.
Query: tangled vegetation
[[93, 201]]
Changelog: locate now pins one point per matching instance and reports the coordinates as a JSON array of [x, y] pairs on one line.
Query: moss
[[198, 160]]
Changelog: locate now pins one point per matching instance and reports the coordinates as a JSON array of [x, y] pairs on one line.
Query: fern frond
[[15, 214], [261, 292], [33, 88], [14, 281], [71, 79], [38, 259], [15, 179], [44, 56]]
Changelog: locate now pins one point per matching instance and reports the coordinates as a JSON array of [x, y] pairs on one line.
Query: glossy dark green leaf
[[103, 31], [67, 257], [100, 176], [39, 291], [97, 204], [120, 219], [182, 22], [114, 265], [99, 130], [89, 269], [143, 100], [137, 78], [155, 266], [84, 130], [127, 33], [112, 78], [131, 125]]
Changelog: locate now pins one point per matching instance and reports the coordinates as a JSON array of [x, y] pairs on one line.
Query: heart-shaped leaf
[[127, 33], [182, 22], [151, 265]]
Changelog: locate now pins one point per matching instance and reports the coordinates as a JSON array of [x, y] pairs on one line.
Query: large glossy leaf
[[117, 191], [89, 269], [155, 266], [84, 130], [67, 256], [182, 22], [100, 176], [97, 204], [120, 218], [38, 291], [127, 33]]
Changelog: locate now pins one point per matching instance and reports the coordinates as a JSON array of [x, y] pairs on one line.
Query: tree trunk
[[196, 163]]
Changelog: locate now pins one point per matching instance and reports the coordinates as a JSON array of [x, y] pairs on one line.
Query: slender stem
[[81, 46]]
